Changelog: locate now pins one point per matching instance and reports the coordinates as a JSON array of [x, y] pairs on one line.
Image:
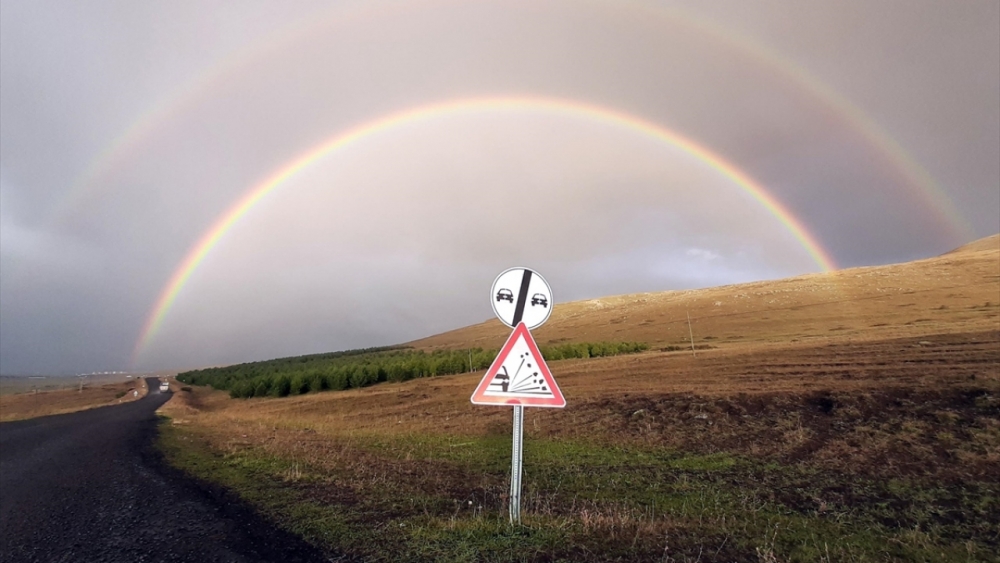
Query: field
[[852, 416], [29, 398]]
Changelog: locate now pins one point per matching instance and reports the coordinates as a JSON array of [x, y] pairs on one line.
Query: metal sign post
[[517, 440], [515, 465]]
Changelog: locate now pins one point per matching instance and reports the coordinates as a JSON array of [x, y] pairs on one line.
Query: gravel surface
[[88, 486]]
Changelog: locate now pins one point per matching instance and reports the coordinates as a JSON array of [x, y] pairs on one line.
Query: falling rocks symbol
[[519, 376]]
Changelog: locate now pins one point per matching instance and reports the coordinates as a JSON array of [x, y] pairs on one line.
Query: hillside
[[983, 244], [959, 290]]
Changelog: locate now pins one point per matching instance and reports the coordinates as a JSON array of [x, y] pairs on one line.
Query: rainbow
[[218, 74], [554, 106], [903, 164], [205, 83]]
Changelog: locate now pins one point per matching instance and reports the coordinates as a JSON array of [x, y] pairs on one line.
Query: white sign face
[[519, 376], [521, 295]]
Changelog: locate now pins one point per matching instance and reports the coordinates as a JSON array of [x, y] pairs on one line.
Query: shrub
[[338, 380], [299, 385], [282, 386], [317, 382], [364, 376], [261, 387], [241, 390]]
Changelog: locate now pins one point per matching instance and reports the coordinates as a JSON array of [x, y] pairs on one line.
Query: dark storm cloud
[[225, 94]]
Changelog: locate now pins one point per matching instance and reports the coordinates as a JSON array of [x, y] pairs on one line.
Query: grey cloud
[[208, 99]]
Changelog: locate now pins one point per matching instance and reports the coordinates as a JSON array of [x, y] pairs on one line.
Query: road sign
[[522, 300], [519, 376], [520, 294]]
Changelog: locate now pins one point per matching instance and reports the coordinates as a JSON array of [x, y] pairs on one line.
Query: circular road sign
[[520, 294]]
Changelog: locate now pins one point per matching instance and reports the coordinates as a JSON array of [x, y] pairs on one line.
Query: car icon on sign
[[505, 294], [539, 299]]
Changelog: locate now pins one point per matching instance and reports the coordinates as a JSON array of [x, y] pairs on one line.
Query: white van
[[164, 387]]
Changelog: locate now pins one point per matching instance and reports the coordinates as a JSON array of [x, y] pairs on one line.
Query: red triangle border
[[479, 396]]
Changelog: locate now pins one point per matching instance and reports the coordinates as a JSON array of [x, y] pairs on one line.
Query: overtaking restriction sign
[[519, 376], [521, 295]]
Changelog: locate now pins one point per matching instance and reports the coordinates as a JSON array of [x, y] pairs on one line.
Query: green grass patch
[[443, 498]]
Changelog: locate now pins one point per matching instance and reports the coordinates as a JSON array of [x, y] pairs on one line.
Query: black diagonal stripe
[[522, 296]]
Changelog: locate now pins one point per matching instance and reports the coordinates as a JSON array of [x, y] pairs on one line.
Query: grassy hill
[[848, 416], [955, 291]]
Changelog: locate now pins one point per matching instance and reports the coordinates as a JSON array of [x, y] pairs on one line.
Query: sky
[[197, 183]]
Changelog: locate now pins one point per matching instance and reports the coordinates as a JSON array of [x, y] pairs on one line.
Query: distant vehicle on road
[[539, 299], [164, 387], [505, 294]]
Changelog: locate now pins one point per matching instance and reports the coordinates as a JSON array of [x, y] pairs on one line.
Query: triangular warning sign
[[519, 376]]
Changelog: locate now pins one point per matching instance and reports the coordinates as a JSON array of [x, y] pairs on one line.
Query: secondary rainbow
[[227, 68], [572, 108]]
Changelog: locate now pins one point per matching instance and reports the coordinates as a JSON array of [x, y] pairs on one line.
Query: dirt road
[[88, 486]]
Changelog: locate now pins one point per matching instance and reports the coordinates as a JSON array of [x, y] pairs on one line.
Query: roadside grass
[[861, 451], [443, 498]]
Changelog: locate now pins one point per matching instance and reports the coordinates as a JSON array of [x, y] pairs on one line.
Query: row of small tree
[[361, 368]]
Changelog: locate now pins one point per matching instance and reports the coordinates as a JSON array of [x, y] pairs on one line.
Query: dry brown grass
[[961, 342], [30, 405], [955, 292], [440, 406]]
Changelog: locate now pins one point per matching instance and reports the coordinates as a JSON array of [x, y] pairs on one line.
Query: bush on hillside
[[360, 368]]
